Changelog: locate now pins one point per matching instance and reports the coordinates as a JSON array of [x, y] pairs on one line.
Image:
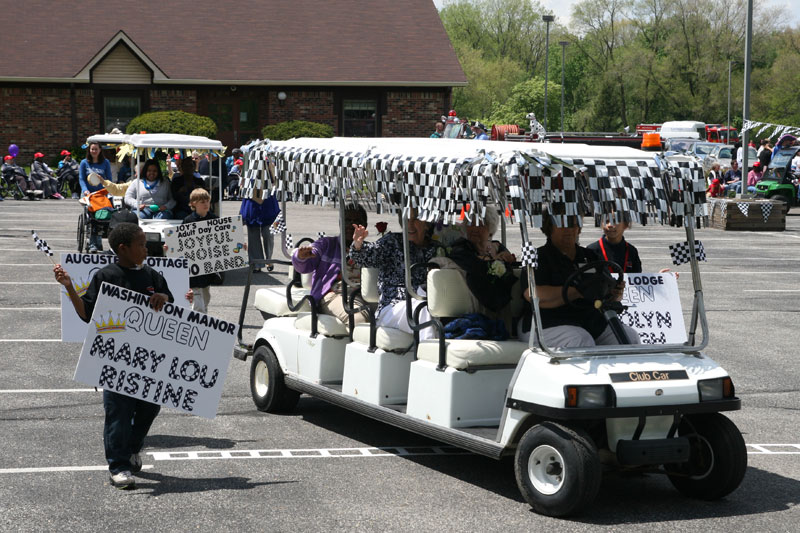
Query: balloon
[[13, 150]]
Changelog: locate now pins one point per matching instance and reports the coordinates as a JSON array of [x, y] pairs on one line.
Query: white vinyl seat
[[272, 300], [327, 325], [387, 339], [449, 296]]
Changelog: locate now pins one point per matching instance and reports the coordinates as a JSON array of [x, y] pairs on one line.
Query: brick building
[[377, 68]]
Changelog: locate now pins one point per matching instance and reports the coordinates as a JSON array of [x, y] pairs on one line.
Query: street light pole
[[547, 20], [748, 44], [563, 55]]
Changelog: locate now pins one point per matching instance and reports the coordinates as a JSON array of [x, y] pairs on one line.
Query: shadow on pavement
[[173, 441], [162, 484]]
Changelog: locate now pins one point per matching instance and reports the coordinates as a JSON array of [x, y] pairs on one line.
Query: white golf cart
[[140, 147], [565, 413]]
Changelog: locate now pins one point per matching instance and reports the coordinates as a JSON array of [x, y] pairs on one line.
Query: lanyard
[[605, 255]]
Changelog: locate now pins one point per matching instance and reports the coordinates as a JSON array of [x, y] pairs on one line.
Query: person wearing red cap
[[43, 178], [754, 176], [13, 173], [68, 172]]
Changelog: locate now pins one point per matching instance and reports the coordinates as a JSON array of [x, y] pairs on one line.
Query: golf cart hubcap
[[261, 379], [546, 469]]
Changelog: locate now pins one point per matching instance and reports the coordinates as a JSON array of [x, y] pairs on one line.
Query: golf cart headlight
[[715, 389], [153, 237], [583, 396]]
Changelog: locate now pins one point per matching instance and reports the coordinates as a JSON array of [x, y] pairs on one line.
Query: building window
[[359, 118], [119, 110]]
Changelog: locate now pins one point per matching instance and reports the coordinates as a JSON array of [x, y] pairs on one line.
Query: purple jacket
[[325, 264]]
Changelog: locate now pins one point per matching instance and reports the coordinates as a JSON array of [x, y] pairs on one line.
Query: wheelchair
[[88, 222], [9, 188]]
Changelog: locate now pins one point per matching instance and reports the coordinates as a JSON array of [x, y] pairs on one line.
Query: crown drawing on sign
[[110, 325], [81, 287]]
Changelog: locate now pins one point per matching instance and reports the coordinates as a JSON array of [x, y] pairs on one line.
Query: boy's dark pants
[[127, 422]]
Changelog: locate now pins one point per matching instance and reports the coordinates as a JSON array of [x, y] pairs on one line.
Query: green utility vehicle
[[779, 182]]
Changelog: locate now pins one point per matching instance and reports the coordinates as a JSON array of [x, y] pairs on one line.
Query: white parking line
[[386, 451], [770, 290], [30, 309], [782, 449], [38, 391], [30, 340], [59, 469]]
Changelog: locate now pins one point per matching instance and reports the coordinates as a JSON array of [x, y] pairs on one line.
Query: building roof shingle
[[314, 42]]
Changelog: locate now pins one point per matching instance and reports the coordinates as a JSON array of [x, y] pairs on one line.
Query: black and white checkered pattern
[[289, 241], [681, 253], [279, 226], [766, 210], [41, 244], [530, 256], [744, 208], [320, 234]]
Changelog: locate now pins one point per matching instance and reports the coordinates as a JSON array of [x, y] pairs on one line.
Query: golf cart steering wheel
[[601, 281]]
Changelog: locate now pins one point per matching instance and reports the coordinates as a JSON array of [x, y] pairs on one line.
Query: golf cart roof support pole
[[286, 252], [407, 255], [748, 45], [343, 250], [698, 306], [218, 210]]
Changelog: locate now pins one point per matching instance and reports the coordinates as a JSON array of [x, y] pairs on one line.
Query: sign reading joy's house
[[210, 246], [174, 357]]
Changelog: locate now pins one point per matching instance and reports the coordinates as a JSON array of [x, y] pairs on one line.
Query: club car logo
[[110, 325]]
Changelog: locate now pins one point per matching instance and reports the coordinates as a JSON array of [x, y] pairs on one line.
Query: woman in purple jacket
[[323, 259]]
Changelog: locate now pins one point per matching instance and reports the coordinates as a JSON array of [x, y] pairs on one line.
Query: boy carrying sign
[[127, 419], [200, 202]]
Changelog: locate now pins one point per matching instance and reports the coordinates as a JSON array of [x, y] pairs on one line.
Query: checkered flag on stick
[[289, 241], [42, 245], [279, 226], [530, 257], [321, 234], [681, 254]]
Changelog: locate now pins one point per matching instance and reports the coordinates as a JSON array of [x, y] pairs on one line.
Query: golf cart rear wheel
[[717, 460], [269, 391], [785, 198], [557, 469]]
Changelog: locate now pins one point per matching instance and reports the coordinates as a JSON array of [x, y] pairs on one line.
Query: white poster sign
[[210, 246], [175, 357], [654, 308], [82, 268]]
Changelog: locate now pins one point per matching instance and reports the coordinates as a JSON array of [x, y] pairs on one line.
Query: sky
[[561, 8]]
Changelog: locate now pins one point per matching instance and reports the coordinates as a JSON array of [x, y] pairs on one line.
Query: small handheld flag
[[42, 246]]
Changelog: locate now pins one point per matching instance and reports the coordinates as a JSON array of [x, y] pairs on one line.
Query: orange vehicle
[[717, 133]]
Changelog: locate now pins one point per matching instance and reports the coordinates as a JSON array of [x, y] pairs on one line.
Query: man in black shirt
[[127, 419]]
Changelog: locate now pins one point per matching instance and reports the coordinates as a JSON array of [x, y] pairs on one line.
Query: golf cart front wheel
[[267, 387], [717, 458], [557, 469]]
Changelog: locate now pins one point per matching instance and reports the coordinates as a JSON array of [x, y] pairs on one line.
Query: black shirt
[[553, 269], [144, 280], [616, 253], [199, 282], [181, 192]]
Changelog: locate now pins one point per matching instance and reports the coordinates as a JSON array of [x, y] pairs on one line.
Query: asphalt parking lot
[[322, 468]]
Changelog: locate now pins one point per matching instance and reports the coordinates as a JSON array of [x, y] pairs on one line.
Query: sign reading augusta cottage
[[175, 357]]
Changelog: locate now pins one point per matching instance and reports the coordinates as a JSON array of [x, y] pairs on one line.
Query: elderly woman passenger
[[387, 255], [487, 264]]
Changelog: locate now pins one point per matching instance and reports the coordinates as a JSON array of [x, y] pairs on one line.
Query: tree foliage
[[173, 122], [296, 128], [627, 62]]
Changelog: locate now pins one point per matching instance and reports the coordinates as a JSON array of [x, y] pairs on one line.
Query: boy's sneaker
[[92, 249], [123, 480], [136, 463]]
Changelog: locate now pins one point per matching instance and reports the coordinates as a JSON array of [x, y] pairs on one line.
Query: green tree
[[490, 82], [527, 97]]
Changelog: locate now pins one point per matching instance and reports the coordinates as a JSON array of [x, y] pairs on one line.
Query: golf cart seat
[[449, 296], [272, 300], [327, 325], [387, 339]]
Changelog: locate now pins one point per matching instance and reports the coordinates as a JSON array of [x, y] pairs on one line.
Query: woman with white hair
[[487, 264]]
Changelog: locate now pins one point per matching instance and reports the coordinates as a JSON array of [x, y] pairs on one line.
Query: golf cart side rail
[[600, 413]]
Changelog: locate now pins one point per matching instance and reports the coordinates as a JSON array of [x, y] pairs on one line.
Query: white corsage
[[497, 269]]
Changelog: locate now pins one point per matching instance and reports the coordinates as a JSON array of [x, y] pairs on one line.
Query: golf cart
[[778, 182], [145, 146], [563, 413]]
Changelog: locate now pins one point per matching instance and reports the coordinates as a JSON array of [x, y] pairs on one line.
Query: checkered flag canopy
[[681, 254], [289, 241], [41, 244], [279, 226], [530, 257]]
